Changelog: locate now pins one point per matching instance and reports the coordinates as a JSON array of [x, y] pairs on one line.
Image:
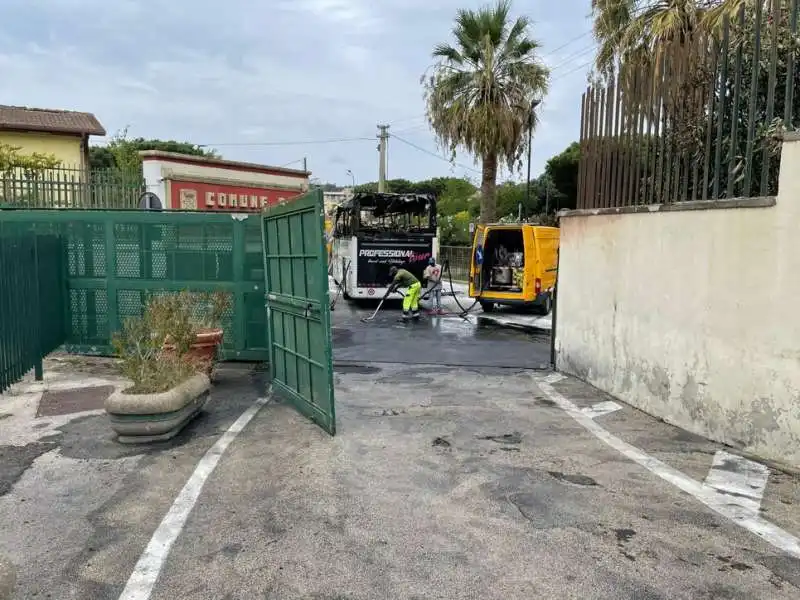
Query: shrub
[[167, 318]]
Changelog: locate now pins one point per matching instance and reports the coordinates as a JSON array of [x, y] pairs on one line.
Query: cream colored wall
[[692, 316], [65, 148], [168, 170]]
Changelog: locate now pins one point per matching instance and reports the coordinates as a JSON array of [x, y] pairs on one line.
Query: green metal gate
[[116, 259], [32, 290], [298, 309]]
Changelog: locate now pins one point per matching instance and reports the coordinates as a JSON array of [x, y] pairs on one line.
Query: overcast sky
[[249, 76]]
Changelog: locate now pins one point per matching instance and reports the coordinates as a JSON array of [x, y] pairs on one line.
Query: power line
[[571, 58], [578, 68], [565, 44], [428, 152]]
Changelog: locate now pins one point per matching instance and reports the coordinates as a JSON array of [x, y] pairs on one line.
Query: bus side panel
[[547, 240], [475, 269]]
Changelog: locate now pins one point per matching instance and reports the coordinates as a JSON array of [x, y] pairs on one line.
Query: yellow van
[[514, 265]]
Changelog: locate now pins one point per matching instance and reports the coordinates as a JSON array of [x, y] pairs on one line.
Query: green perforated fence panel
[[116, 259]]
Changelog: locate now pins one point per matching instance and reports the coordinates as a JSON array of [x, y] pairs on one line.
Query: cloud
[[242, 72]]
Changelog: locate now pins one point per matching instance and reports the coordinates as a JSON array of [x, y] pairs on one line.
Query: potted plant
[[203, 313], [169, 387]]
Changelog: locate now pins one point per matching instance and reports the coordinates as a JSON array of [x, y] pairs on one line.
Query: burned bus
[[373, 231]]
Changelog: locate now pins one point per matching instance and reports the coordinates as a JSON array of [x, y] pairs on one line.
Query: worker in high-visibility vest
[[403, 278]]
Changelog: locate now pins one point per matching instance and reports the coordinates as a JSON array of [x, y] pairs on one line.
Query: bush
[[172, 319]]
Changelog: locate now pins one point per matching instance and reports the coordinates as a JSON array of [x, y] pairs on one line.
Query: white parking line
[[600, 409], [741, 479], [145, 573], [719, 502]]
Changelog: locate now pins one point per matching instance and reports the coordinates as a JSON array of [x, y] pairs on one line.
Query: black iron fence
[[70, 188], [700, 119]]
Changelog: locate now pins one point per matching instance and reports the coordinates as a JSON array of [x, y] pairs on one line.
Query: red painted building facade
[[185, 182]]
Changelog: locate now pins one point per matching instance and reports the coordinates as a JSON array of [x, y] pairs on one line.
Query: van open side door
[[476, 262]]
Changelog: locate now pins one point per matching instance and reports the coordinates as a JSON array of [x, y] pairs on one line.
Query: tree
[[11, 159], [634, 33], [562, 169], [123, 153], [676, 46], [482, 90], [458, 196]]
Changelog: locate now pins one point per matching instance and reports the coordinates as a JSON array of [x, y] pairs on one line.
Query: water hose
[[339, 285]]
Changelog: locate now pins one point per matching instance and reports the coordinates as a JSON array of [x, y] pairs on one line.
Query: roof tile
[[21, 118]]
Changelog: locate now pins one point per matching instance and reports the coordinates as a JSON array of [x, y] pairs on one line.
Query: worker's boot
[[415, 315], [405, 316]]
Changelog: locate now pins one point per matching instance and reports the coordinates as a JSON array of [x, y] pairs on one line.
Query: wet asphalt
[[449, 341]]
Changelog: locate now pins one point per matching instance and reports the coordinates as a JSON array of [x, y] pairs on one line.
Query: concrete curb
[[498, 321], [8, 579]]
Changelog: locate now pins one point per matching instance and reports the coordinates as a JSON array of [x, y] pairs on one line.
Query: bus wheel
[[487, 306]]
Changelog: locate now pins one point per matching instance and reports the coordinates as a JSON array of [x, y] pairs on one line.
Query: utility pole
[[547, 197], [383, 138], [534, 104]]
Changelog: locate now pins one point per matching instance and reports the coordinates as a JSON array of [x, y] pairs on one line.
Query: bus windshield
[[376, 213]]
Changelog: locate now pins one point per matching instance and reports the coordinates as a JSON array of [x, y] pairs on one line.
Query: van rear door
[[547, 239], [476, 262]]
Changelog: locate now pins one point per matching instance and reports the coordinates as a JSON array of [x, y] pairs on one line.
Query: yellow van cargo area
[[514, 265]]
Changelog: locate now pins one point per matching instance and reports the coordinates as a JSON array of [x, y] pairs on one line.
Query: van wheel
[[547, 305], [487, 306]]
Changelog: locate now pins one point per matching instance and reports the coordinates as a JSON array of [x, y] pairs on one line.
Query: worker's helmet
[[393, 271], [431, 261]]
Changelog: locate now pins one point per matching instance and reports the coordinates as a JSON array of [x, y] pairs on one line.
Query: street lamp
[[353, 177], [534, 104]]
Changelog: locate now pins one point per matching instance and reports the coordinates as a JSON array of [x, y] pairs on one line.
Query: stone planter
[[143, 418]]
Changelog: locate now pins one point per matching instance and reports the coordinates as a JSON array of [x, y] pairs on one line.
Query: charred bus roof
[[382, 204]]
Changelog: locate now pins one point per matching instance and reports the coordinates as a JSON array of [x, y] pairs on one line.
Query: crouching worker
[[402, 278]]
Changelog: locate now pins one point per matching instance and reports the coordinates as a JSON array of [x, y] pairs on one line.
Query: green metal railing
[[700, 119], [115, 260], [71, 188], [459, 258], [32, 296]]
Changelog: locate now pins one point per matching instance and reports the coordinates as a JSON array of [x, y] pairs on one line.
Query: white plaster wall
[[154, 180], [692, 316]]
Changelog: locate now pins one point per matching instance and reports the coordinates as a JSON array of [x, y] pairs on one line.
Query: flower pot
[[204, 349], [144, 418]]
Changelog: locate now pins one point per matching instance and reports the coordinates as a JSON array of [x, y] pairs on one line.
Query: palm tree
[[633, 33], [482, 89]]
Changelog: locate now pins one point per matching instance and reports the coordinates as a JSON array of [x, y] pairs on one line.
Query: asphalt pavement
[[481, 480], [435, 340]]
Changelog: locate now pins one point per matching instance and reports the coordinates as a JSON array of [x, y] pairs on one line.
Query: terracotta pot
[[204, 349]]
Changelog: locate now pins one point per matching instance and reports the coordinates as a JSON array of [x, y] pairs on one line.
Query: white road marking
[[716, 501], [145, 573], [741, 479], [600, 409]]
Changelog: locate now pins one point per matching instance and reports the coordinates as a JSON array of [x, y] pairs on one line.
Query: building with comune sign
[[187, 182]]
